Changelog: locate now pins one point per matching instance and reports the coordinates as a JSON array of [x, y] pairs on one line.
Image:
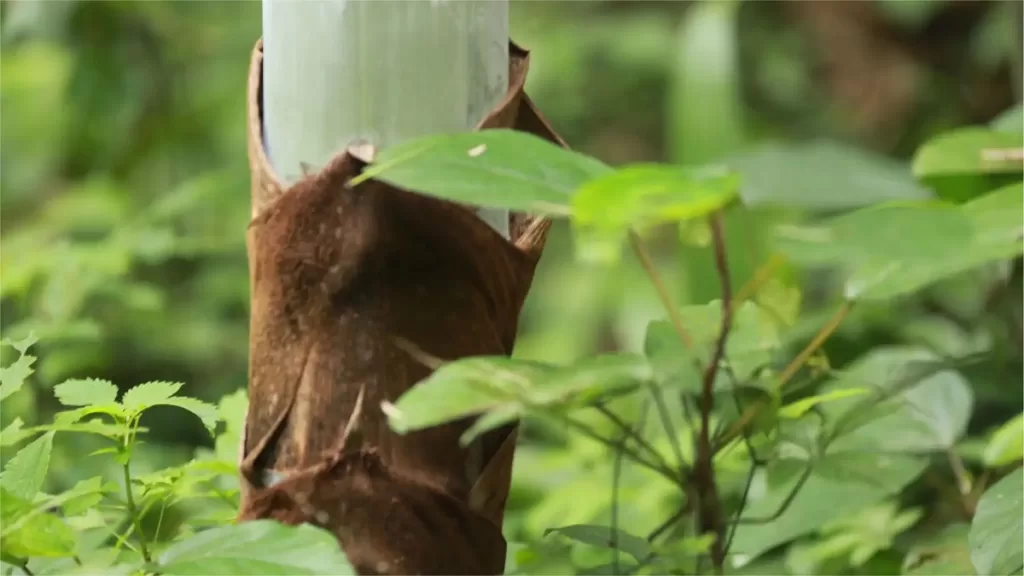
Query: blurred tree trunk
[[349, 286]]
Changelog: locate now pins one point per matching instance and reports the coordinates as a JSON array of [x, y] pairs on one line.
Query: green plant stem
[[136, 521], [826, 331]]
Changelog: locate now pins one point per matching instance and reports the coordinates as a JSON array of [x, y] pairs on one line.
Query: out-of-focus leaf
[[492, 168], [256, 547], [605, 537], [895, 249], [822, 176], [1007, 444], [13, 376], [640, 196], [996, 536], [945, 553], [970, 151], [840, 484], [1011, 120], [705, 101], [25, 472], [911, 408]]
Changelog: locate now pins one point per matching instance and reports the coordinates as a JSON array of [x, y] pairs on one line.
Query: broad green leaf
[[605, 537], [22, 345], [1011, 120], [30, 532], [970, 150], [800, 407], [263, 547], [492, 168], [1007, 444], [914, 406], [205, 411], [463, 388], [753, 339], [840, 484], [822, 176], [641, 196], [589, 379], [149, 394], [706, 108], [996, 536], [25, 472], [86, 392]]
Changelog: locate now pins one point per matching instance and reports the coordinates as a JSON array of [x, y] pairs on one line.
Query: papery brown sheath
[[340, 277]]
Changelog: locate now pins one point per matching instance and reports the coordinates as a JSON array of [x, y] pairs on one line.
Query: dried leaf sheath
[[337, 276]]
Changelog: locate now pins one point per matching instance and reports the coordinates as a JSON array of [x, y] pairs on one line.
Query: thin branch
[[666, 423], [785, 503], [709, 512], [136, 521], [630, 433], [827, 330], [659, 286]]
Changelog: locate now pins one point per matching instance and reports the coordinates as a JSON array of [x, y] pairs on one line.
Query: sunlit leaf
[[996, 536], [86, 392], [28, 532], [643, 195], [800, 407], [149, 394], [492, 168], [263, 547], [205, 411], [1011, 120], [13, 376]]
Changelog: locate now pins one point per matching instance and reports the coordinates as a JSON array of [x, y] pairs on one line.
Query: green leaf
[[149, 394], [800, 407], [22, 345], [13, 376], [25, 472], [463, 388], [895, 249], [915, 405], [822, 176], [1011, 120], [996, 536], [259, 547], [12, 433], [30, 532], [706, 107], [86, 392], [205, 411], [840, 484], [970, 151], [1007, 444], [945, 553], [605, 537], [644, 195], [492, 168]]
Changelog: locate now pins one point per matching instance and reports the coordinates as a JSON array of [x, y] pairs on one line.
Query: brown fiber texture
[[345, 282]]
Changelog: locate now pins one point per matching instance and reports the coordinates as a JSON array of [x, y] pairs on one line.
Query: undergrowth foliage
[[731, 418]]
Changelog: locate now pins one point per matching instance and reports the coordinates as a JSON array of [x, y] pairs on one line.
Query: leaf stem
[[827, 330]]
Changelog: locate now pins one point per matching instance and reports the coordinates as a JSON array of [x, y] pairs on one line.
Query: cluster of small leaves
[[843, 452], [96, 525]]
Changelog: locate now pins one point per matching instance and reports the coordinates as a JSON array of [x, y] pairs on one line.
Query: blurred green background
[[125, 188]]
